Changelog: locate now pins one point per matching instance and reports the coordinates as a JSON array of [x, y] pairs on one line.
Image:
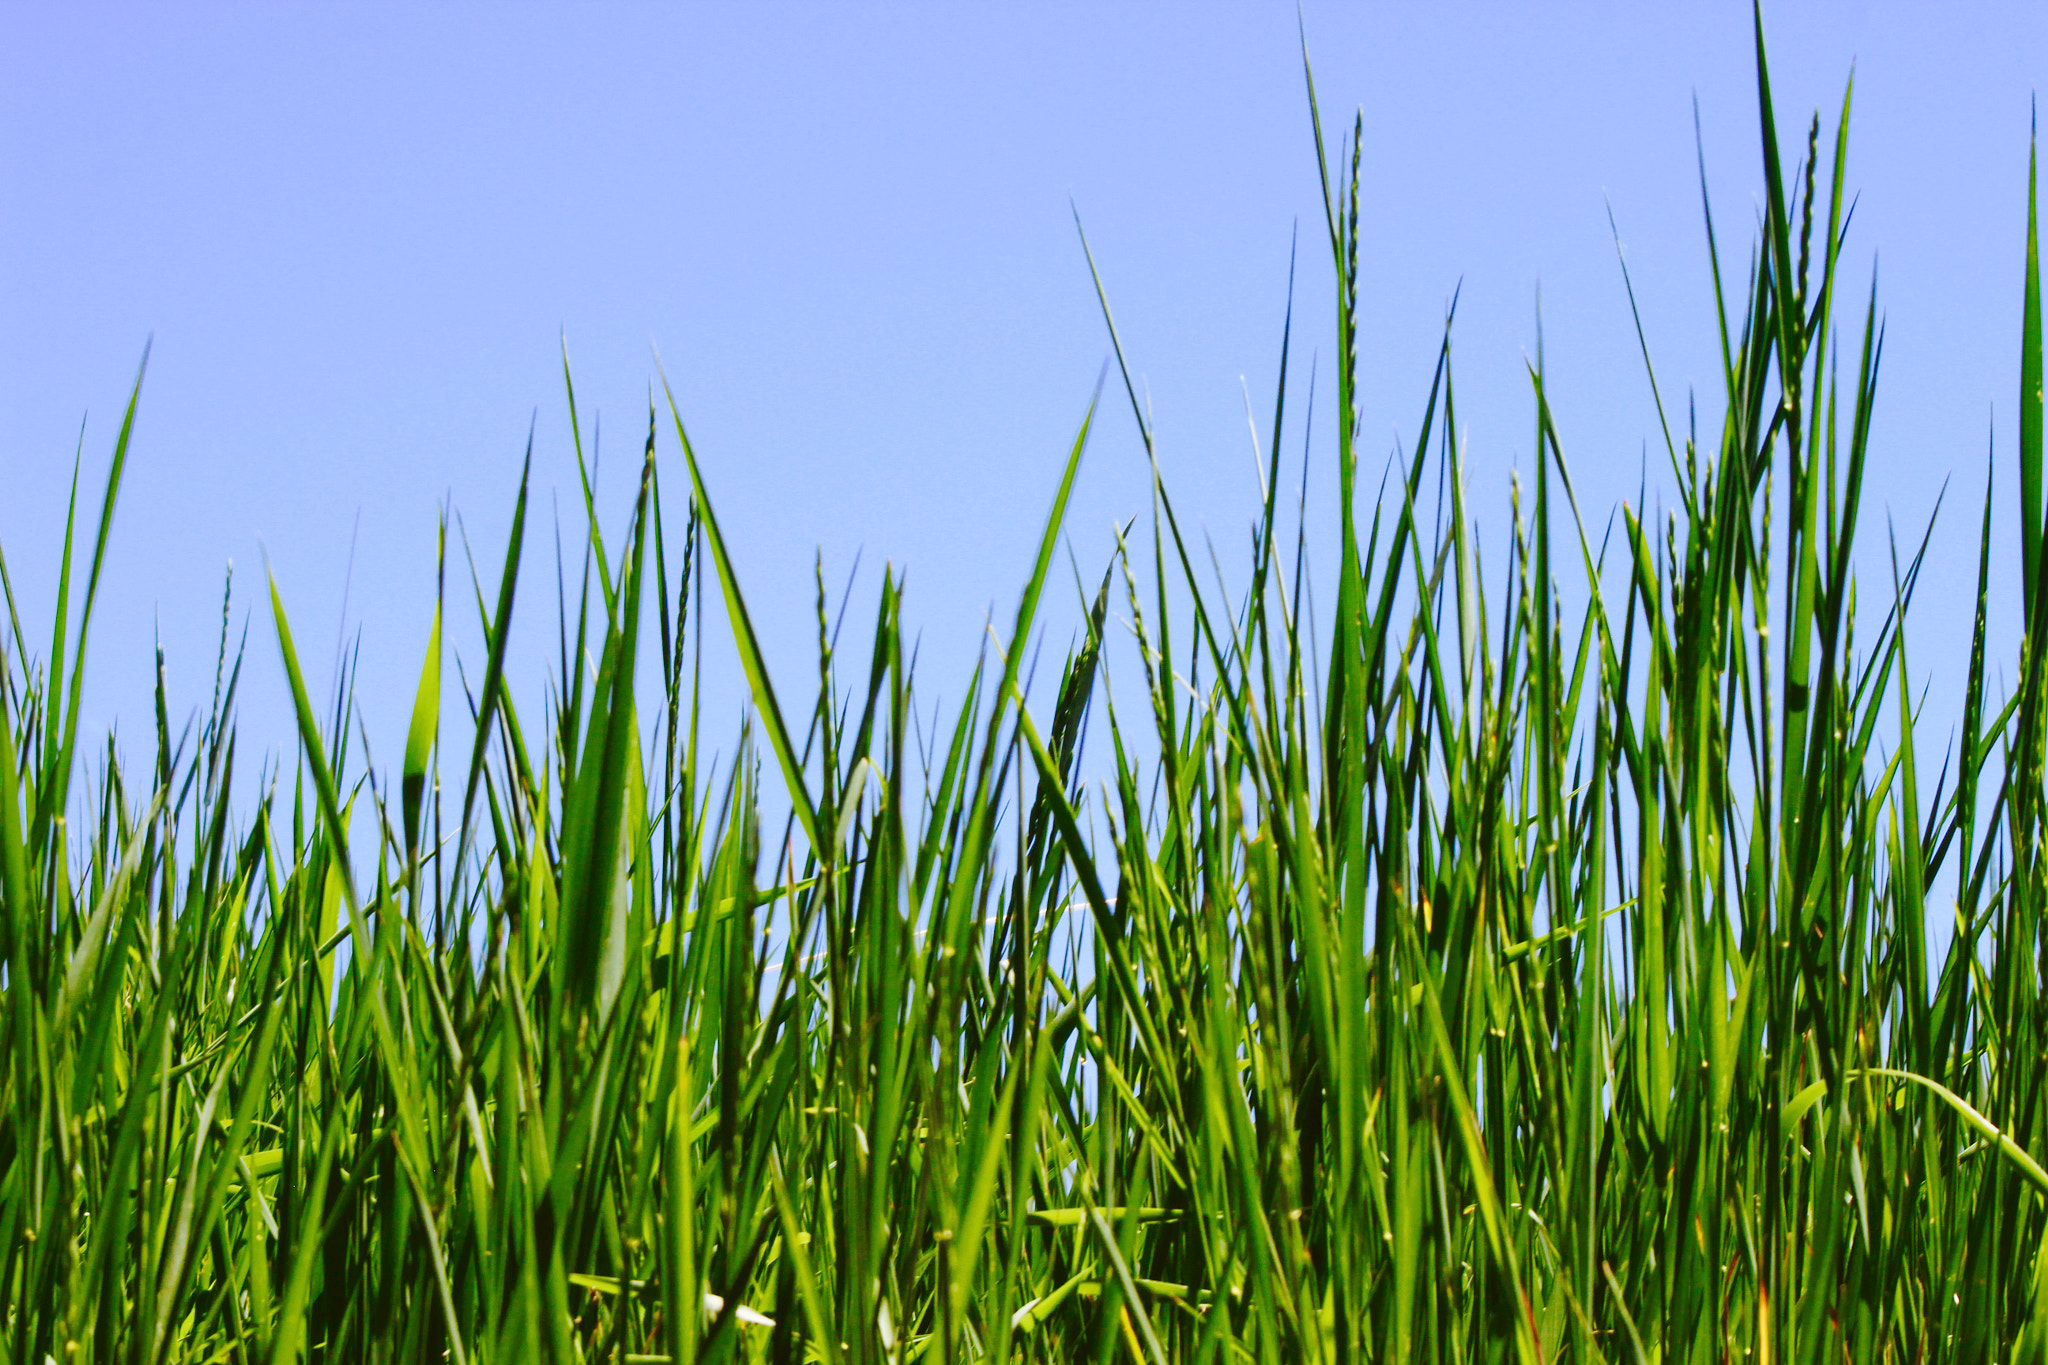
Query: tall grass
[[1496, 982]]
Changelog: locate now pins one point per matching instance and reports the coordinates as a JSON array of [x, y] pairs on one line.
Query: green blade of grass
[[2030, 404]]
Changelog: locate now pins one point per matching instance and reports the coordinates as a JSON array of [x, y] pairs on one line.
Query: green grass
[[1495, 982]]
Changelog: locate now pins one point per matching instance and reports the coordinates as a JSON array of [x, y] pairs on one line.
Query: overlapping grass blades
[[1508, 982]]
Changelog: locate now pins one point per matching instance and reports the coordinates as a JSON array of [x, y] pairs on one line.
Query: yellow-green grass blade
[[420, 736], [751, 658]]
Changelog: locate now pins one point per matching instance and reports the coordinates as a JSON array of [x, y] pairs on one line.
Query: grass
[[1495, 982]]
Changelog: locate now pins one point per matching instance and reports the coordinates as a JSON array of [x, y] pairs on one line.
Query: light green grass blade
[[420, 736], [751, 659]]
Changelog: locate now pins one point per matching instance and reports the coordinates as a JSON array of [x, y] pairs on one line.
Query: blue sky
[[357, 234]]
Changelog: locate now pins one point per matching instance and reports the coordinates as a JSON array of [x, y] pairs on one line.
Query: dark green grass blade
[[56, 781], [490, 695], [2030, 401], [591, 953]]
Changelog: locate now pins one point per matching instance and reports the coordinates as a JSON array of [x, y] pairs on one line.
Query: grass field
[[1443, 975]]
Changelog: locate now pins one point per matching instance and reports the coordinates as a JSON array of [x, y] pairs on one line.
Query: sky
[[356, 238]]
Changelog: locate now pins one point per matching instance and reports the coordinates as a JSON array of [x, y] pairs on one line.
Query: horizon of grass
[[1482, 983]]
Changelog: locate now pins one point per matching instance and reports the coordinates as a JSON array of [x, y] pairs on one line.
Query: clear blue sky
[[357, 232]]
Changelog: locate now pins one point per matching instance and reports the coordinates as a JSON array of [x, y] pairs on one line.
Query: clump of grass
[[1497, 984]]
